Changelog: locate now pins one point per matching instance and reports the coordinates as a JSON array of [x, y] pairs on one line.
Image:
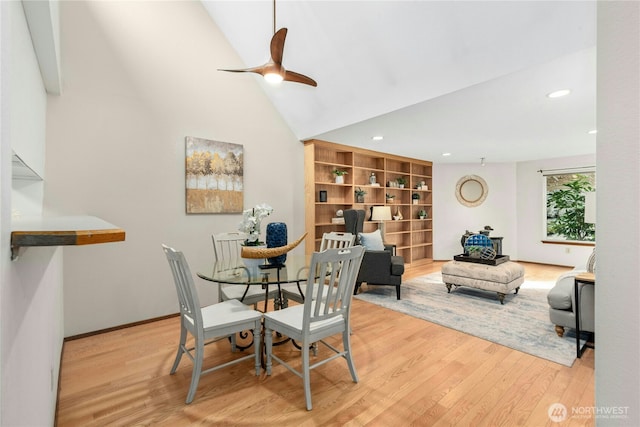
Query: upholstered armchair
[[561, 299], [379, 266]]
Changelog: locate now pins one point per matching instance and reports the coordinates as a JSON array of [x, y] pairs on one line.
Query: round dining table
[[293, 270]]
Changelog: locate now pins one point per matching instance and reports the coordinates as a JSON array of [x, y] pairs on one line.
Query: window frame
[[563, 176]]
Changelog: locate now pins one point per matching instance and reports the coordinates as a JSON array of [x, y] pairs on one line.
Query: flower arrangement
[[251, 219], [339, 172]]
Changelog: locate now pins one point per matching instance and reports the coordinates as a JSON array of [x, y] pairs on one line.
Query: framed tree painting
[[214, 172]]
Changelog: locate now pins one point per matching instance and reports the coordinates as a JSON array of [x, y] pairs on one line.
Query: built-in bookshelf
[[412, 236]]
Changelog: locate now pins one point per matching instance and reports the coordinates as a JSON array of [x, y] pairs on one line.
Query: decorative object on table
[[390, 197], [487, 229], [465, 236], [322, 196], [359, 192], [273, 71], [474, 244], [422, 214], [339, 174], [398, 215], [499, 259], [251, 221], [372, 178], [487, 253], [415, 198], [401, 181], [471, 190], [257, 252], [209, 192], [277, 237]]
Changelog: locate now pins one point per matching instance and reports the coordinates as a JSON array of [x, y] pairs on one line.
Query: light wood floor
[[412, 372]]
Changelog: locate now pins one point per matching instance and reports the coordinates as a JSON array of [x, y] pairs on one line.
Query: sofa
[[561, 299]]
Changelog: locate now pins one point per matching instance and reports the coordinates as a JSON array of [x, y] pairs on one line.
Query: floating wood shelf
[[62, 231]]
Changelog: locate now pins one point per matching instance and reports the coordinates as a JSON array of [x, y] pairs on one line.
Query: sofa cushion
[[559, 297], [372, 241]]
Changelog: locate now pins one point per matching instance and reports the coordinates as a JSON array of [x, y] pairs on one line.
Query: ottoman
[[501, 278]]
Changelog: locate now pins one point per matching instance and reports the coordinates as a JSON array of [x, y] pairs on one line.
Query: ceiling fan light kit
[[273, 71]]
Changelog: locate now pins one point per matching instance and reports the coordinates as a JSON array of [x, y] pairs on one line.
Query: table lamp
[[381, 214]]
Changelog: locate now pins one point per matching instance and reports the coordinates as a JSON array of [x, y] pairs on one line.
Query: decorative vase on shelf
[[398, 214], [339, 179]]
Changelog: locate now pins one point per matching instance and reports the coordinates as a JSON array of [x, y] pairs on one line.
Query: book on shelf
[[337, 220]]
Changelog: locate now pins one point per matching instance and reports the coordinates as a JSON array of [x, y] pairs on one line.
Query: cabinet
[[412, 236]]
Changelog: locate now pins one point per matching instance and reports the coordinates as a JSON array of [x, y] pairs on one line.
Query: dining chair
[[208, 324], [331, 240], [226, 249], [321, 316]]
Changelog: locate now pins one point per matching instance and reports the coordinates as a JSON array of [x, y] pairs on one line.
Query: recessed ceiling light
[[559, 93], [377, 138], [593, 132], [446, 154]]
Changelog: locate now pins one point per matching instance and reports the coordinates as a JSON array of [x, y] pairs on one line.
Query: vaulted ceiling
[[468, 78]]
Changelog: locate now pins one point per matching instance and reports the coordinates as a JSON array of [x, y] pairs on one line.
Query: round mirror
[[471, 190]]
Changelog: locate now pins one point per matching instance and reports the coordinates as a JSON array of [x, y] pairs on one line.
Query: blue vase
[[276, 237]]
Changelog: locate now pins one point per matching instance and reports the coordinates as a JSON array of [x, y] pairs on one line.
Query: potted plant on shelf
[[390, 198], [415, 197], [422, 214], [401, 181], [339, 175], [360, 195]]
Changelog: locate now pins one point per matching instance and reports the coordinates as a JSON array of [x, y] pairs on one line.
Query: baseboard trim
[[117, 328]]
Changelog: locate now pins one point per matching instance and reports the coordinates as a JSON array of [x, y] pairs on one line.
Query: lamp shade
[[381, 213], [590, 207]]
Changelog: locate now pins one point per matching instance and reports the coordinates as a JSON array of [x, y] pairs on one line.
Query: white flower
[[251, 222]]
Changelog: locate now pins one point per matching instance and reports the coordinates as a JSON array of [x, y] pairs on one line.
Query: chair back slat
[[185, 288], [338, 268], [227, 248], [336, 240]]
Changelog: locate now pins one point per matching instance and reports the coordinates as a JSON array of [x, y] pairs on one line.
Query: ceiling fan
[[273, 71]]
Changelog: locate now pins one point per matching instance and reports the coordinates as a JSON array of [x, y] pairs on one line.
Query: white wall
[[531, 208], [618, 220], [514, 208], [138, 78], [451, 219], [31, 291]]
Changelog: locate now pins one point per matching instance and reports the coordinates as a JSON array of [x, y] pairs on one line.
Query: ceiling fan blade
[[291, 76], [258, 70], [277, 45]]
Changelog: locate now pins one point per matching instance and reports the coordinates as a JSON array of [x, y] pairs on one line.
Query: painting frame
[[214, 172]]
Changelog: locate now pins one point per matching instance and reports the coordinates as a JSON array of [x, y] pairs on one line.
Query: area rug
[[522, 323]]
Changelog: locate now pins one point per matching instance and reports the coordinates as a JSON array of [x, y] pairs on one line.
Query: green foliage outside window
[[565, 207]]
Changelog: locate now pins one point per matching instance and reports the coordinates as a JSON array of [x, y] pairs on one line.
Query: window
[[565, 196]]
